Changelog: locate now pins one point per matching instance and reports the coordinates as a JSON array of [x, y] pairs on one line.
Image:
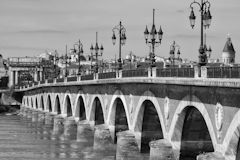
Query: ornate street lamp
[[96, 49], [80, 52], [154, 40], [122, 40], [206, 19], [67, 61], [55, 62], [172, 53]]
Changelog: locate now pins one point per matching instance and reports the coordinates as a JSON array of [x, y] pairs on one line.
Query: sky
[[30, 27]]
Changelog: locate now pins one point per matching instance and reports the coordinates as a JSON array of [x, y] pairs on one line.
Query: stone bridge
[[193, 115]]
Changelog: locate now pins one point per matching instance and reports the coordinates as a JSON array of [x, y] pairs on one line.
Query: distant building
[[228, 54]]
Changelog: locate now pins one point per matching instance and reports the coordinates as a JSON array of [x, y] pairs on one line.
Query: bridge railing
[[71, 79], [175, 72], [87, 77], [107, 75], [221, 72], [135, 73]]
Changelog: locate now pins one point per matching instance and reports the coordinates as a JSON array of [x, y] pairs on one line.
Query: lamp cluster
[[96, 54], [153, 34], [207, 17], [122, 40]]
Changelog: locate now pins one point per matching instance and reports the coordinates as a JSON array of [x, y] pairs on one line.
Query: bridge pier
[[70, 128], [102, 138], [41, 117], [35, 116], [29, 113], [161, 150], [127, 147], [211, 156], [24, 112], [84, 132], [48, 124], [58, 126]]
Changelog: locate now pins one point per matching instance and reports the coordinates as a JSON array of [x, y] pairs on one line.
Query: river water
[[20, 139]]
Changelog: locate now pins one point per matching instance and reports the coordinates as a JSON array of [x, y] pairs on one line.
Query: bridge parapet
[[210, 76]]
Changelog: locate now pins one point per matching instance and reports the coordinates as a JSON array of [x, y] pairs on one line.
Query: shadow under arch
[[36, 103], [176, 128], [149, 125], [32, 106], [68, 106], [57, 107], [118, 119], [195, 138], [27, 102], [42, 103], [80, 109], [96, 112], [49, 103]]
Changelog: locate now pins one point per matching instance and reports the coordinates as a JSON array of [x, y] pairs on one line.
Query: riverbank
[[9, 109]]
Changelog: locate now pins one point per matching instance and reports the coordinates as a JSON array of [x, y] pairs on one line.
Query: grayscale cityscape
[[119, 80]]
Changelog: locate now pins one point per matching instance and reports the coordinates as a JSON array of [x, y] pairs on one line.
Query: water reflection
[[22, 139]]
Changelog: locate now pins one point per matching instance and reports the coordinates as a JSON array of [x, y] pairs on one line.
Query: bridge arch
[[32, 106], [49, 103], [231, 142], [139, 112], [180, 116], [121, 121], [24, 101], [42, 103], [148, 123], [80, 108], [97, 111], [57, 105], [28, 102], [36, 102], [67, 105]]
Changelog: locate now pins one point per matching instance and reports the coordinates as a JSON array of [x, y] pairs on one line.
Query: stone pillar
[[70, 128], [48, 125], [29, 114], [127, 147], [34, 116], [49, 119], [102, 138], [84, 132], [24, 112], [58, 126], [16, 77], [41, 117], [161, 150], [210, 156]]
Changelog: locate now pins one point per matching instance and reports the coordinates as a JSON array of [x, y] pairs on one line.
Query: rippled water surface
[[20, 139]]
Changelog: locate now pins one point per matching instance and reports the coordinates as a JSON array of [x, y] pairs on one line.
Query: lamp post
[[67, 60], [172, 53], [205, 23], [153, 42], [55, 60], [122, 40], [80, 52], [96, 49]]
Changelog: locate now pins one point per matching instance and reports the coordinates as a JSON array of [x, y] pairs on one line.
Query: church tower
[[228, 54]]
